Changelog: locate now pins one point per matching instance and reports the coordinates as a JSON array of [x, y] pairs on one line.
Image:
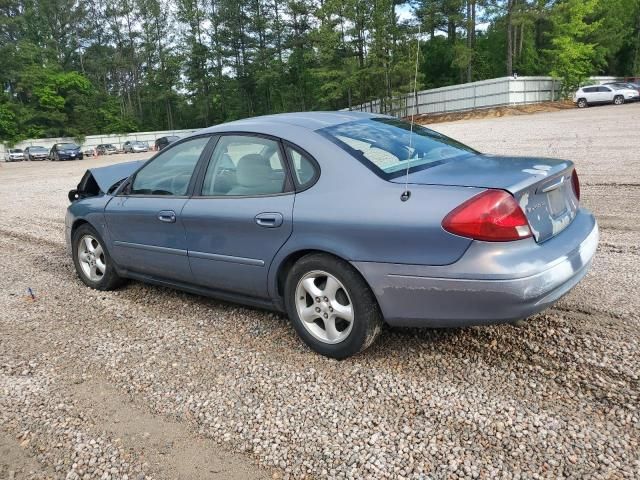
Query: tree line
[[77, 67]]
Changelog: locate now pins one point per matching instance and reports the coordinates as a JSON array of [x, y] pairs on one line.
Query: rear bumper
[[491, 283]]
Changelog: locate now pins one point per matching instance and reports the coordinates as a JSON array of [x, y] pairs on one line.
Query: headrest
[[253, 170]]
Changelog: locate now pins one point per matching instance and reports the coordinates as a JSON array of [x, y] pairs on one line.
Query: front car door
[[144, 222], [240, 214]]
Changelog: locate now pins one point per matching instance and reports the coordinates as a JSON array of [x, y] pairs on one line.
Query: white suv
[[593, 94]]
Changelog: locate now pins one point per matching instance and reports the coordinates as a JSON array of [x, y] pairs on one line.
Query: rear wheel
[[92, 261], [331, 306], [618, 100], [582, 103]]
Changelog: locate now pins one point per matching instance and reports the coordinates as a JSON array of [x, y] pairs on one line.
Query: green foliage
[[572, 57], [77, 67]]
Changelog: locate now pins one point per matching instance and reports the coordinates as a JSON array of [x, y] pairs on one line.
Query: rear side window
[[304, 169], [245, 165], [170, 172]]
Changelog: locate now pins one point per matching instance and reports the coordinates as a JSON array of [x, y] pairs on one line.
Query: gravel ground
[[146, 382]]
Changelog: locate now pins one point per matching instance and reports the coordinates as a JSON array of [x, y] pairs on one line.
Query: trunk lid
[[541, 186]]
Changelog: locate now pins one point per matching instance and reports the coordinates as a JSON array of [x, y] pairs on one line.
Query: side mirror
[[73, 195]]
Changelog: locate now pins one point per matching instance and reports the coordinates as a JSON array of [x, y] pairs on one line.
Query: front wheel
[[618, 100], [92, 260], [331, 307]]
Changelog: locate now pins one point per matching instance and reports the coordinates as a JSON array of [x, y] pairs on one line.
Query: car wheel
[[582, 103], [618, 100], [331, 307], [92, 260]]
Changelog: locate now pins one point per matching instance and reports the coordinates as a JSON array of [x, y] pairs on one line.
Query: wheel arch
[[77, 223], [284, 266]]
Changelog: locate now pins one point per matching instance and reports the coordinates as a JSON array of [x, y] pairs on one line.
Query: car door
[[605, 94], [240, 214], [144, 222]]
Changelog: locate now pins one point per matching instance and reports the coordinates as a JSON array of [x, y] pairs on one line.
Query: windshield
[[67, 146], [15, 150], [109, 145], [37, 149], [139, 144], [385, 145]]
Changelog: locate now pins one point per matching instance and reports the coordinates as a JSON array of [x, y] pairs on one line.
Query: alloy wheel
[[324, 307], [91, 258]]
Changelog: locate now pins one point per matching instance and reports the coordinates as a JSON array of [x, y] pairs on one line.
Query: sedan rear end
[[529, 242]]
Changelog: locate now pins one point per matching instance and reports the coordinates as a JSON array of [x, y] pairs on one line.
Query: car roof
[[308, 120]]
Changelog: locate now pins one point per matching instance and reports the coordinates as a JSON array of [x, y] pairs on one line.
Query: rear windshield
[[386, 145]]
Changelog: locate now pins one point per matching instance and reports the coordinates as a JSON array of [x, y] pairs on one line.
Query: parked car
[[106, 149], [625, 85], [65, 151], [135, 146], [35, 153], [89, 152], [162, 142], [595, 94], [343, 220], [13, 155]]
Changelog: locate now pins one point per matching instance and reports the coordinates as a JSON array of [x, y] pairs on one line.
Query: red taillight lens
[[575, 183], [493, 216]]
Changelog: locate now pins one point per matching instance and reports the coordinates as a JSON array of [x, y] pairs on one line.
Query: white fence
[[469, 96], [91, 141]]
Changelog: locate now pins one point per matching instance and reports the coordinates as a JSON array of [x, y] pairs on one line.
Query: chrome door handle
[[167, 216], [269, 220]]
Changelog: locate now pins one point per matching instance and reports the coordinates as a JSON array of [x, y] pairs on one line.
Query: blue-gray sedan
[[343, 221]]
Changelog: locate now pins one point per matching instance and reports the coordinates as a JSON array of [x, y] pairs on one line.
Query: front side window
[[170, 172], [387, 145], [243, 165]]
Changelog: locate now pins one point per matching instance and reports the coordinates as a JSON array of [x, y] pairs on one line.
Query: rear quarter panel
[[358, 216]]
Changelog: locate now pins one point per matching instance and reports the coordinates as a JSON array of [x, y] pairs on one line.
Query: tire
[[582, 103], [324, 286], [618, 100], [97, 271]]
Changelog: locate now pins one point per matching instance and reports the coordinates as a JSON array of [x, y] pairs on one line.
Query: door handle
[[552, 186], [167, 216], [269, 220]]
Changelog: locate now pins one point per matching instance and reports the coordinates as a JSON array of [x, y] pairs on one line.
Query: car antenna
[[407, 194]]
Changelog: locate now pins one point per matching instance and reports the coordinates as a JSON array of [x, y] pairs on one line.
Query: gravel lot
[[147, 382]]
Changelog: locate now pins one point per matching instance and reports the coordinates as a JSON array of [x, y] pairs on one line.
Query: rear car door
[[240, 214], [145, 223]]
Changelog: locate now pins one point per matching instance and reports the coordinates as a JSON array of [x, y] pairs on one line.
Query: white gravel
[[557, 398]]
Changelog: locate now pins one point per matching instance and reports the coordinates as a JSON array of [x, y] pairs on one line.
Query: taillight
[[575, 183], [492, 216]]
